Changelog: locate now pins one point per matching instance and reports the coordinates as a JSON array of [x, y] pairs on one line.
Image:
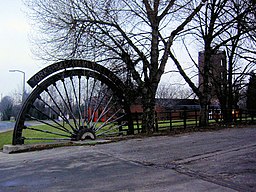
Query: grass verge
[[5, 138]]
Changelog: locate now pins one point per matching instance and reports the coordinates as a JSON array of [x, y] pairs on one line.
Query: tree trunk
[[205, 96], [203, 116], [230, 90], [148, 116]]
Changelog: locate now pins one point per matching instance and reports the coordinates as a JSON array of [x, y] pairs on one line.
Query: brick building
[[217, 72]]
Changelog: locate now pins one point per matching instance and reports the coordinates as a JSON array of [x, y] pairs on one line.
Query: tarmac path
[[6, 126], [223, 160], [9, 125]]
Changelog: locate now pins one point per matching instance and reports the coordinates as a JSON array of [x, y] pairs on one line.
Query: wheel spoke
[[61, 128], [90, 102], [104, 111], [69, 105], [53, 100], [110, 120], [50, 107], [47, 139], [46, 131], [79, 100], [99, 102], [112, 127], [61, 111]]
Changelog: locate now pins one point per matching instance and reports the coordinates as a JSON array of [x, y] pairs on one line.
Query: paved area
[[222, 160], [9, 125], [6, 126]]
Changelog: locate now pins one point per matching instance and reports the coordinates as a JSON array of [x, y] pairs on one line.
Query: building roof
[[178, 103]]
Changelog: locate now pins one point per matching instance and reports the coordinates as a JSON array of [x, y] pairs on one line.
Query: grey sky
[[14, 47]]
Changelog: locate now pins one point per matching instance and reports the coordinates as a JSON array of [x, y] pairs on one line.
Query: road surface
[[223, 160], [6, 126]]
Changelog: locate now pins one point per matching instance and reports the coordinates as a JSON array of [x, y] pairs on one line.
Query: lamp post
[[23, 88]]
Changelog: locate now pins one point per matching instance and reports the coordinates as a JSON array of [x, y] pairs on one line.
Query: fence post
[[120, 127], [246, 116], [129, 118], [235, 116], [156, 122], [196, 117], [185, 118], [170, 120], [137, 121], [240, 115]]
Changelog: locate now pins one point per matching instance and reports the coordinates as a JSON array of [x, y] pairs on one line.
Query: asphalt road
[[6, 126], [222, 160]]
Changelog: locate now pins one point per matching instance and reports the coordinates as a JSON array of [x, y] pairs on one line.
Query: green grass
[[5, 138], [36, 134]]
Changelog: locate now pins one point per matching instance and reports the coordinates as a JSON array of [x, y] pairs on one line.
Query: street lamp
[[23, 93]]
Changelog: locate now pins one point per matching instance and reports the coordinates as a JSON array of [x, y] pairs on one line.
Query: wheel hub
[[85, 133]]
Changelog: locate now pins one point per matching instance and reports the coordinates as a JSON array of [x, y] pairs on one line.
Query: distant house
[[178, 104]]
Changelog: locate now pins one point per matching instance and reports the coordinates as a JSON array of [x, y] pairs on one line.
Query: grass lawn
[[42, 137], [5, 138]]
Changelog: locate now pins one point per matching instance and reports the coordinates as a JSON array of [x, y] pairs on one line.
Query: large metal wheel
[[73, 104]]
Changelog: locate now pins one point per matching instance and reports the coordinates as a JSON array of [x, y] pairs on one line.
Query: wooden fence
[[170, 120]]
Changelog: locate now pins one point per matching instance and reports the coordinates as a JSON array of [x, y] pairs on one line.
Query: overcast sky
[[14, 47]]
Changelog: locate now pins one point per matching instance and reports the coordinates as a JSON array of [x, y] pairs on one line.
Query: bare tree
[[6, 107], [251, 91], [240, 53], [220, 25], [131, 36], [169, 91]]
